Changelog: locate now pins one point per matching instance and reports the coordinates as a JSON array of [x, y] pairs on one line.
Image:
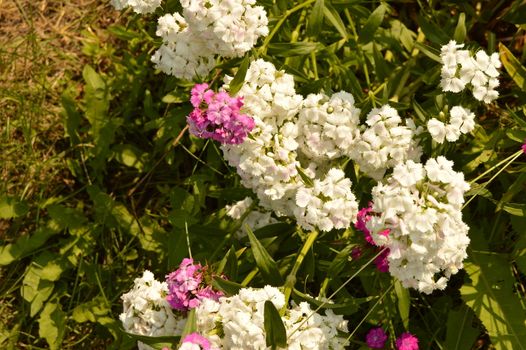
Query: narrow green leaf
[[236, 83], [519, 251], [315, 19], [293, 49], [380, 65], [460, 30], [52, 325], [228, 287], [276, 335], [404, 303], [158, 343], [513, 66], [339, 262], [304, 177], [429, 51], [516, 13], [432, 31], [461, 334], [267, 266], [334, 18], [515, 209], [372, 24], [190, 325]]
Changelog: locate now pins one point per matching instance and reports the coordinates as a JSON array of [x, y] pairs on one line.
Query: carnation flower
[[138, 6], [461, 69], [239, 321], [376, 338], [187, 287], [462, 121], [193, 40], [217, 116], [421, 207], [195, 341], [384, 142], [147, 312], [255, 219], [407, 341]]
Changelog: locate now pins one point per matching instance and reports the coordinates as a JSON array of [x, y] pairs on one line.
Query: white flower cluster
[[268, 163], [328, 204], [205, 29], [384, 142], [255, 219], [461, 121], [460, 68], [240, 322], [421, 207], [138, 6], [328, 126], [146, 311]]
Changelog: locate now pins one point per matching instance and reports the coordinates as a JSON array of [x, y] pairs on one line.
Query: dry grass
[[40, 57]]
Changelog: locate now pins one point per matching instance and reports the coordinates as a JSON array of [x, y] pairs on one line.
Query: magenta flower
[[364, 215], [356, 253], [407, 341], [217, 116], [196, 339], [186, 286], [376, 338], [524, 146], [381, 261]]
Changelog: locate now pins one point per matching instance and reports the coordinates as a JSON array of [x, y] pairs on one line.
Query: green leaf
[[516, 13], [191, 324], [315, 19], [404, 303], [380, 65], [334, 18], [304, 177], [66, 217], [11, 207], [460, 30], [276, 335], [461, 334], [36, 290], [267, 266], [347, 306], [339, 262], [27, 244], [158, 343], [372, 24], [130, 156], [228, 264], [429, 51], [515, 209], [519, 251], [490, 293], [236, 83], [432, 31], [229, 287], [52, 325], [293, 49], [513, 66]]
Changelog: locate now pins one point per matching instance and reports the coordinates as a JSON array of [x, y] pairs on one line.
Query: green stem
[[263, 48], [515, 156], [494, 167], [291, 278]]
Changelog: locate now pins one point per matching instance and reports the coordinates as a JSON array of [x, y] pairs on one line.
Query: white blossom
[[461, 121], [138, 6], [421, 206], [255, 219]]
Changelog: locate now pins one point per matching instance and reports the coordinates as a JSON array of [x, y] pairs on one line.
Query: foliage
[[146, 195]]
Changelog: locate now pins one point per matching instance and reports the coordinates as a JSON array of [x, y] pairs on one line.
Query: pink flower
[[356, 253], [217, 116], [376, 338], [186, 286], [196, 339], [381, 261], [407, 341], [364, 215], [524, 146]]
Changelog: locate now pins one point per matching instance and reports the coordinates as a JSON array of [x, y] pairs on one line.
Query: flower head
[[195, 341], [524, 146], [376, 338], [187, 286], [407, 341], [217, 116]]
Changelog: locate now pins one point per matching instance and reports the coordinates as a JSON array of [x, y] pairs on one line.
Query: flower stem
[[291, 278]]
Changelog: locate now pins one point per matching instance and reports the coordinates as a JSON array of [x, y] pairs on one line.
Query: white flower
[[421, 207], [461, 121], [384, 143], [255, 219], [146, 311], [437, 129], [138, 6]]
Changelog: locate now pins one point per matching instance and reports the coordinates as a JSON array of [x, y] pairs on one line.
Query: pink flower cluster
[[364, 215], [217, 116], [187, 287], [376, 338], [195, 339]]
